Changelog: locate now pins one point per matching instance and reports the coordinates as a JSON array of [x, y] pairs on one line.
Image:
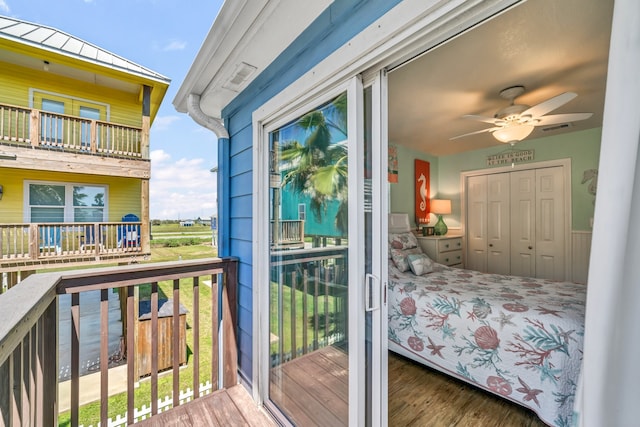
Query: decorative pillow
[[399, 257], [420, 264], [403, 241]]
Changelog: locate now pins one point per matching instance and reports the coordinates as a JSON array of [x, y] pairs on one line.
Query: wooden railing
[[36, 128], [37, 243], [287, 234], [29, 334], [310, 290]]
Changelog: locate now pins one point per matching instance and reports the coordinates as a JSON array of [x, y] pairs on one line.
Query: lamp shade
[[441, 206], [513, 133]]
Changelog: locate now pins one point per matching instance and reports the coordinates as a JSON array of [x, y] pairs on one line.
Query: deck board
[[314, 388], [229, 407]]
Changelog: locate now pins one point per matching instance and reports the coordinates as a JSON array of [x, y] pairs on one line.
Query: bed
[[519, 338]]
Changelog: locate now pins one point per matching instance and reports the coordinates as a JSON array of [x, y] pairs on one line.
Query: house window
[[302, 212], [57, 129], [62, 202], [85, 136], [52, 126]]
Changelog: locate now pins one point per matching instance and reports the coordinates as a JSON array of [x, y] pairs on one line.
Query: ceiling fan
[[516, 121]]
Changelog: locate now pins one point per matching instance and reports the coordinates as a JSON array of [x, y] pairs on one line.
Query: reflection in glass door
[[309, 267]]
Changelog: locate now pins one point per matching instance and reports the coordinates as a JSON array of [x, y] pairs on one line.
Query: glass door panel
[[309, 266], [373, 210]]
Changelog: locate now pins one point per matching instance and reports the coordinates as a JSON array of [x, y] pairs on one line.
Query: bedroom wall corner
[[402, 193]]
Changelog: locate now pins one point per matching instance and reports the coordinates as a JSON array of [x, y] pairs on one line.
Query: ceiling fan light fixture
[[514, 133]]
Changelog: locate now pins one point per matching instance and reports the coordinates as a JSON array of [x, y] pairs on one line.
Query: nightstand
[[445, 249]]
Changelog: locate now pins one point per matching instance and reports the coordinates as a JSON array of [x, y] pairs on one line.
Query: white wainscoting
[[581, 250]]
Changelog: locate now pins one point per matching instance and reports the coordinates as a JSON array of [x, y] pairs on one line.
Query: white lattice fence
[[163, 405]]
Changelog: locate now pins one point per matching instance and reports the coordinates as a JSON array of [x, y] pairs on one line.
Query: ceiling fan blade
[[485, 119], [475, 133], [562, 118], [549, 105]]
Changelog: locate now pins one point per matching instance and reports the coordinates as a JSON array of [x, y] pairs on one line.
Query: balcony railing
[[29, 335], [35, 128], [310, 288], [287, 234], [26, 244]]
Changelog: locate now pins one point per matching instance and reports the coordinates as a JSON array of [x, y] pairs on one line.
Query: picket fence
[[163, 405]]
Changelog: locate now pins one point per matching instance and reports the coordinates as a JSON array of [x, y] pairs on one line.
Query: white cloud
[[4, 7], [164, 122], [173, 45], [182, 189]]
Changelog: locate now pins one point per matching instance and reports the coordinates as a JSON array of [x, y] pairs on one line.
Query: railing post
[[48, 356], [33, 241], [94, 133], [34, 128], [229, 340]]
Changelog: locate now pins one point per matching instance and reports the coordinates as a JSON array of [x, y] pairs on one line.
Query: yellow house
[[74, 151]]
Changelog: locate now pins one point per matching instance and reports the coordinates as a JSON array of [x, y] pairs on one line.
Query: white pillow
[[420, 264]]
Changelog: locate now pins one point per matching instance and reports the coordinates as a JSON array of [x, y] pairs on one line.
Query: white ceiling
[[548, 46]]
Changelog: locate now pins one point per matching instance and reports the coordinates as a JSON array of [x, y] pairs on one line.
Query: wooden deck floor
[[418, 396], [230, 407], [314, 388]]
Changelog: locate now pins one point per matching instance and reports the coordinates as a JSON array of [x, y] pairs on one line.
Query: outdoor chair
[[129, 235]]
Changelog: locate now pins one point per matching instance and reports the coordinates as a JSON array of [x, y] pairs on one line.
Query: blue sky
[[165, 36]]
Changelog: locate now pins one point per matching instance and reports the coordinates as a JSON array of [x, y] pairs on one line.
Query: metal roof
[[57, 41]]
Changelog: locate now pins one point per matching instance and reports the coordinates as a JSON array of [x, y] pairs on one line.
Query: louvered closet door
[[498, 220]]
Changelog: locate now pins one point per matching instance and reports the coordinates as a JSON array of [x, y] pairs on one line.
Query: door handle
[[530, 247], [371, 297]]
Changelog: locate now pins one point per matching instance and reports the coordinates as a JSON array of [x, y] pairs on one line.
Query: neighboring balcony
[[38, 245], [97, 146], [287, 234]]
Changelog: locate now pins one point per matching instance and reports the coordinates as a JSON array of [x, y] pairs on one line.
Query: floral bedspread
[[520, 338]]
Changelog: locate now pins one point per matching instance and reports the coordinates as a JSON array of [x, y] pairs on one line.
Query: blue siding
[[341, 21]]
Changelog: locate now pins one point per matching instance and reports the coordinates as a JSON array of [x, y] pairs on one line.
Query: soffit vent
[[240, 75], [557, 127]]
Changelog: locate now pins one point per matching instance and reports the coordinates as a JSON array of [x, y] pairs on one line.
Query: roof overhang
[[246, 36]]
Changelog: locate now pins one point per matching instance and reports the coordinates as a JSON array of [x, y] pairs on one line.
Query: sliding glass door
[[325, 291]]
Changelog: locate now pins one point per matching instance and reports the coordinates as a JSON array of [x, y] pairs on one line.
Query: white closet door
[[523, 223], [476, 223], [550, 224], [498, 221]]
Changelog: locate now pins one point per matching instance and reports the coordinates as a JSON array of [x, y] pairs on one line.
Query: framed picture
[[431, 231], [422, 192]]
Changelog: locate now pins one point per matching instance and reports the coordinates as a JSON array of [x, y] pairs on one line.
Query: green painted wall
[[402, 194], [583, 148]]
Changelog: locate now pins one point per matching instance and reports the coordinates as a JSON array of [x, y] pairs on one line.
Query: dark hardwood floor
[[419, 396]]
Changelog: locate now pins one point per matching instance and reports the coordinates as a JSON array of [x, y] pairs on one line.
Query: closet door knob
[[530, 247], [490, 245]]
